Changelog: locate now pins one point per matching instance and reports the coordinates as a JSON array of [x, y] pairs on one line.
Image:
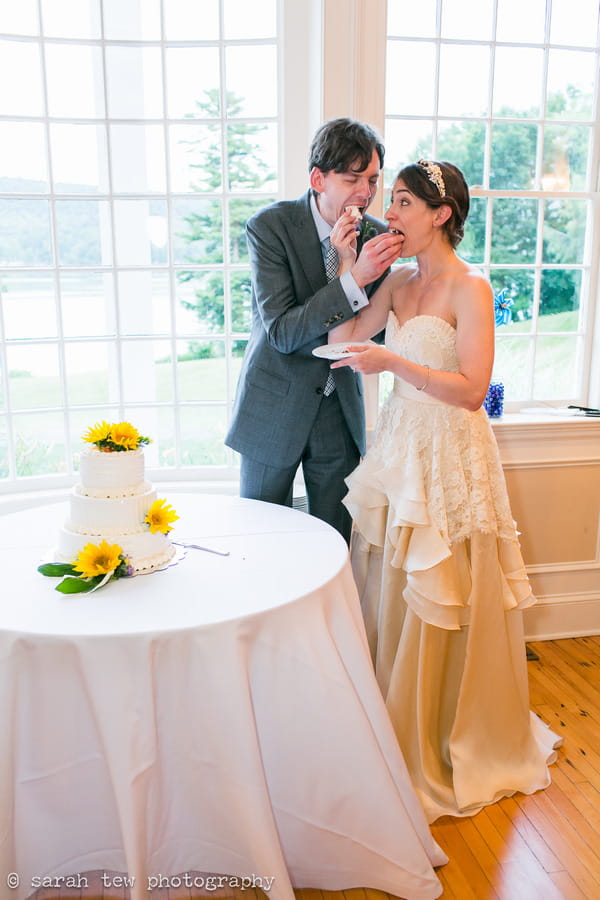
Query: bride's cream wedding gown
[[442, 583]]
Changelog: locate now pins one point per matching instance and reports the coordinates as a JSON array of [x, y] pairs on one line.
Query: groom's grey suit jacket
[[281, 383]]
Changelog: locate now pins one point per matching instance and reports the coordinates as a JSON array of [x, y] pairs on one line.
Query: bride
[[435, 552]]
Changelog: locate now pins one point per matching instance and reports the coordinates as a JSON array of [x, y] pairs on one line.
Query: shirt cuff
[[355, 295]]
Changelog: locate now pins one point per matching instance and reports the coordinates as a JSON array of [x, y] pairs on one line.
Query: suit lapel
[[306, 241]]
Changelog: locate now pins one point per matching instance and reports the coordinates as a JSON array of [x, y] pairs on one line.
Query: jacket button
[[319, 390]]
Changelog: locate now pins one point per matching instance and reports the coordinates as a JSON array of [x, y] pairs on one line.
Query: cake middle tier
[[109, 515]]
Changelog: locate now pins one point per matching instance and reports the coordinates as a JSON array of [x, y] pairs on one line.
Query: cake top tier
[[111, 474]]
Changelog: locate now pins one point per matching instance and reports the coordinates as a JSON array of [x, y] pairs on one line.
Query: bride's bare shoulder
[[401, 275]]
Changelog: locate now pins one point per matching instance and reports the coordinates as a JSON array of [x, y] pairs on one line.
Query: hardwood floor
[[540, 847]]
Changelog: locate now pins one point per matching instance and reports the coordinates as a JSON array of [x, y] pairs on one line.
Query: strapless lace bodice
[[429, 454], [427, 340]]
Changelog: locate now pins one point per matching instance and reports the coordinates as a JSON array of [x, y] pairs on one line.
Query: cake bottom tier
[[145, 551]]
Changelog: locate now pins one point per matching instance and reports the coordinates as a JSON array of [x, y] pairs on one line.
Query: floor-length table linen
[[220, 716]]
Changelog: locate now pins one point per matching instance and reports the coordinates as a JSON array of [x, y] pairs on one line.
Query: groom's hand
[[376, 256]]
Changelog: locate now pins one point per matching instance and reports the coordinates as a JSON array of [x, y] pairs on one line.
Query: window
[[507, 91], [136, 138]]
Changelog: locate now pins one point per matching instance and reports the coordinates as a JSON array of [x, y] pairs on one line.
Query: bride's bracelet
[[422, 388]]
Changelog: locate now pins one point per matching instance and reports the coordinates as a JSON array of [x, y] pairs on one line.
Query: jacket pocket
[[267, 381]]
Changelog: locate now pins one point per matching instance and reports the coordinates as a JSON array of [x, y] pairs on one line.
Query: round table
[[220, 715]]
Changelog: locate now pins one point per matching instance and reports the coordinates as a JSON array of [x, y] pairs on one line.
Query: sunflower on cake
[[116, 525]]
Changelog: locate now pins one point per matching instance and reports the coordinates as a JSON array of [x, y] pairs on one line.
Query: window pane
[[33, 376], [200, 302], [141, 232], [28, 306], [405, 18], [192, 75], [560, 300], [87, 303], [519, 285], [89, 369], [25, 233], [403, 57], [462, 93], [556, 366], [522, 22], [472, 246], [79, 159], [202, 435], [186, 21], [197, 231], [144, 306], [405, 141], [147, 371], [239, 213], [574, 22], [19, 18], [75, 97], [4, 472], [566, 151], [201, 371], [132, 19], [564, 231], [515, 95], [134, 82], [570, 84], [251, 74], [514, 231], [512, 365], [252, 157], [23, 158], [159, 424], [37, 455], [20, 64], [138, 158], [241, 293], [472, 21], [512, 156], [71, 18], [195, 157], [249, 20], [83, 231], [463, 143]]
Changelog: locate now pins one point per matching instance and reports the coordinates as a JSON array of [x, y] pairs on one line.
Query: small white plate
[[339, 351]]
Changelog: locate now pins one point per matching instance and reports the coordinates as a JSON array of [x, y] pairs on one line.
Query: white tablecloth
[[218, 716]]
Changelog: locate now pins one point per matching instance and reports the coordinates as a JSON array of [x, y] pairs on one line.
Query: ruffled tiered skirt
[[442, 582]]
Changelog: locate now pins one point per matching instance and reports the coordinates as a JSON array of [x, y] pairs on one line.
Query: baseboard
[[553, 618]]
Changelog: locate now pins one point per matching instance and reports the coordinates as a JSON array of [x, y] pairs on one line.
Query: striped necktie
[[332, 262]]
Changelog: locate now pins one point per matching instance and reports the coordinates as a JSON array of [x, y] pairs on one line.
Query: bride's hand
[[366, 360]]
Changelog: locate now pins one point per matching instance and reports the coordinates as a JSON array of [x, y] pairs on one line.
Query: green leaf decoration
[[78, 585], [56, 570]]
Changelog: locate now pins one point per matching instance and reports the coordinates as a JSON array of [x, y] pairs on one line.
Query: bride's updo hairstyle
[[440, 184]]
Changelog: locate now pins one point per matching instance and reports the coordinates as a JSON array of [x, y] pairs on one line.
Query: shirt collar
[[323, 227]]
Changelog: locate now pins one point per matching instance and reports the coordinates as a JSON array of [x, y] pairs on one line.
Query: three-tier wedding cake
[[113, 502]]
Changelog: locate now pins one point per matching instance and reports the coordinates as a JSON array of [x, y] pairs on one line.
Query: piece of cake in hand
[[112, 501], [354, 211]]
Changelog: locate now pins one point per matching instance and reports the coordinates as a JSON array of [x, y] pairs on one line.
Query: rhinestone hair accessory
[[434, 174]]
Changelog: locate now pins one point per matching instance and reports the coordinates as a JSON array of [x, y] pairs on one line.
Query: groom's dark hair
[[340, 144]]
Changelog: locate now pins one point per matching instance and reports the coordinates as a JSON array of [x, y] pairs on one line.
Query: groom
[[288, 410]]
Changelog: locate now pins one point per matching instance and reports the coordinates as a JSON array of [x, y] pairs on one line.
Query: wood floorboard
[[545, 846]]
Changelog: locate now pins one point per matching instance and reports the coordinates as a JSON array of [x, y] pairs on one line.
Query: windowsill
[[544, 438]]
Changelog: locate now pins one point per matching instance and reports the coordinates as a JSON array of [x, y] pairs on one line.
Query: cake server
[[198, 547]]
